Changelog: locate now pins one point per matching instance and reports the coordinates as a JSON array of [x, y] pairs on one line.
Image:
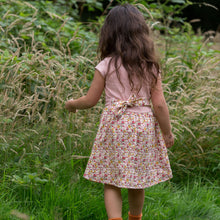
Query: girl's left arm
[[92, 96]]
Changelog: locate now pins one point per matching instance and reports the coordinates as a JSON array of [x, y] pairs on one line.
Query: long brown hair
[[126, 36]]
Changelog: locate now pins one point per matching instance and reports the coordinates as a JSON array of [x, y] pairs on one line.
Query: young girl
[[130, 147]]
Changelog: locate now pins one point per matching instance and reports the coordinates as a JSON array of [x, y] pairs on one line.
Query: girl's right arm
[[161, 112], [92, 96]]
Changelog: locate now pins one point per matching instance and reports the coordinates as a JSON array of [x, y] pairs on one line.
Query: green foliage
[[66, 6], [41, 53], [46, 57], [84, 200], [192, 81], [39, 26]]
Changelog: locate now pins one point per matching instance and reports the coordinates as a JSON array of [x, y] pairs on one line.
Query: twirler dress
[[129, 150]]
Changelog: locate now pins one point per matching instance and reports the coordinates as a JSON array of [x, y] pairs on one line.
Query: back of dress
[[116, 90], [129, 150]]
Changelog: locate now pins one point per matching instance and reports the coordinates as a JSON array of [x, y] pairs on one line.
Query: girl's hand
[[69, 105], [169, 140]]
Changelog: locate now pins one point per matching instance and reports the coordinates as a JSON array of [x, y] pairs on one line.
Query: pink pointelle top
[[115, 91]]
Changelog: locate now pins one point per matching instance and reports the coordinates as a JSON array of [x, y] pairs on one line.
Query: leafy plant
[[47, 57]]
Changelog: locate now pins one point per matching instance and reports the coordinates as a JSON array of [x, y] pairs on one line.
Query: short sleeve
[[102, 67]]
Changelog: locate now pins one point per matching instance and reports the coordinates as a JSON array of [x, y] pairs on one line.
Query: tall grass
[[37, 77], [192, 83], [84, 200], [46, 58]]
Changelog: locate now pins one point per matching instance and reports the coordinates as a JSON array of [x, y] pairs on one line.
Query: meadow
[[48, 56]]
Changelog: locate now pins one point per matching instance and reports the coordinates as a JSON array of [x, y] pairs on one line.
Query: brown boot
[[134, 217], [116, 219]]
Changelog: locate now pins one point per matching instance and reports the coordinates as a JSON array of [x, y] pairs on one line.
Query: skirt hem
[[129, 187]]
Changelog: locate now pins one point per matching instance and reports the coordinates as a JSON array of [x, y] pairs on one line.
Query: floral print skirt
[[129, 150]]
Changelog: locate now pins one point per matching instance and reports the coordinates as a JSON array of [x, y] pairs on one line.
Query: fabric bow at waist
[[121, 106]]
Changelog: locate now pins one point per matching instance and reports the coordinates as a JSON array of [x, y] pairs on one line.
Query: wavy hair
[[126, 36]]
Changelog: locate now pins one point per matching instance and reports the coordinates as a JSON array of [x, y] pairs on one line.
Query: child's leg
[[113, 201], [136, 201]]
